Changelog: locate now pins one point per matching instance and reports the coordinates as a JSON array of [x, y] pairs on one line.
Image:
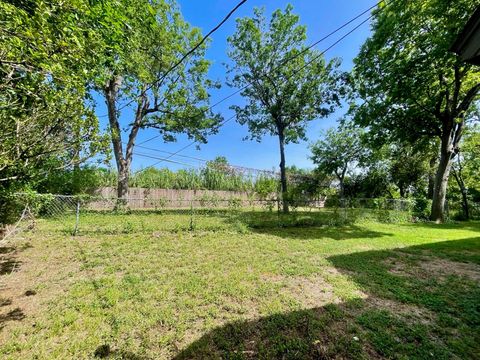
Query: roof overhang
[[467, 44]]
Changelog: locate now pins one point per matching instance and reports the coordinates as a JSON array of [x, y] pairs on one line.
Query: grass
[[144, 287]]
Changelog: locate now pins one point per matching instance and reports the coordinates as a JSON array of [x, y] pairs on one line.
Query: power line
[[160, 135], [170, 153], [187, 146], [302, 52], [281, 64], [163, 159], [238, 170], [305, 65], [188, 53], [228, 166], [200, 43]]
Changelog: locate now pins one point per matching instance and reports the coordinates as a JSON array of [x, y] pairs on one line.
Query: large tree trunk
[[451, 135], [342, 188], [122, 161], [466, 209], [341, 180], [431, 177], [122, 182], [440, 188], [123, 168], [451, 132], [283, 175]]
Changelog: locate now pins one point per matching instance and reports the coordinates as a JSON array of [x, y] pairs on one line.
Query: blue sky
[[320, 17]]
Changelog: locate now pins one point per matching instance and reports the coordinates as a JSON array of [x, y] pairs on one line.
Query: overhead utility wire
[[284, 62], [305, 65], [188, 53]]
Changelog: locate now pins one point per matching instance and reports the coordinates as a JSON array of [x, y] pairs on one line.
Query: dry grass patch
[[424, 266]]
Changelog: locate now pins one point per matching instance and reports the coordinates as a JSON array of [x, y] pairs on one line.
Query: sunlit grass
[[241, 286]]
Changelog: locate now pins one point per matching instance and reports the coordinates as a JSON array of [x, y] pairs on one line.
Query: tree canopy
[[48, 54], [139, 72], [339, 151], [285, 84], [411, 85]]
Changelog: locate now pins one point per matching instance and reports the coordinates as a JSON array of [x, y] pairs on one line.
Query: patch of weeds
[[128, 228], [240, 227]]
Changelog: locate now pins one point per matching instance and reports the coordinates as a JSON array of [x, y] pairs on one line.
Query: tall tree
[[412, 85], [48, 55], [139, 73], [339, 151], [285, 84]]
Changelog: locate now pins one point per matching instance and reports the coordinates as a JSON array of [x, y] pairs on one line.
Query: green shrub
[[421, 208]]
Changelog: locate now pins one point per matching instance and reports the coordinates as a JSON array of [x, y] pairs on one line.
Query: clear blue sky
[[320, 17]]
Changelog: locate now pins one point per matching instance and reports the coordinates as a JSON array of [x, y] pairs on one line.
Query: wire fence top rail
[[72, 214]]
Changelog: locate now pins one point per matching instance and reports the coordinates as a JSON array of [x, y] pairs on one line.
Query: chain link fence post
[[77, 218], [192, 220]]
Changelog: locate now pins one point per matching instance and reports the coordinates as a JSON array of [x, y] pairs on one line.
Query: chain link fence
[[83, 214]]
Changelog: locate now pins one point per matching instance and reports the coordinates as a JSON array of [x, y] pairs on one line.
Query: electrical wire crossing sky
[[336, 28]]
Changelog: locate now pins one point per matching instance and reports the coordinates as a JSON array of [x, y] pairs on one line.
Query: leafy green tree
[[138, 72], [220, 163], [285, 84], [466, 168], [412, 85], [407, 167], [340, 150], [48, 54]]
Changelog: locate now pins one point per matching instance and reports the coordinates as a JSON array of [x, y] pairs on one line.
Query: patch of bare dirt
[[447, 267], [406, 311], [310, 292], [434, 267]]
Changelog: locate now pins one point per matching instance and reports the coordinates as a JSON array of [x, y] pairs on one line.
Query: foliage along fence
[[72, 214], [203, 178]]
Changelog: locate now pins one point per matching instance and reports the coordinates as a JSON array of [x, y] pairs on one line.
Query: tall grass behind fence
[[206, 178]]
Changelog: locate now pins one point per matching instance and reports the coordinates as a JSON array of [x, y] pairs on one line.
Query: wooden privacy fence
[[143, 198]]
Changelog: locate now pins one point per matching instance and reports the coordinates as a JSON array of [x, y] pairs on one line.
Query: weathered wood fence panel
[[143, 198]]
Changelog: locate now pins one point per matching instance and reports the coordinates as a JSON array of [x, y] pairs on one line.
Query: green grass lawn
[[145, 287]]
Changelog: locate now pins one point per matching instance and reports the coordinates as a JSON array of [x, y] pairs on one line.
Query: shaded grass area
[[231, 289], [217, 219]]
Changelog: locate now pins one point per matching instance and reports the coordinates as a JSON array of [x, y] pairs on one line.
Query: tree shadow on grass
[[465, 225], [13, 315], [8, 262], [344, 232], [408, 312]]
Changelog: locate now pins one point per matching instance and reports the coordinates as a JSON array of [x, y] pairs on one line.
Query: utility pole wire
[[229, 166], [185, 147], [200, 43], [187, 54], [283, 63], [246, 86]]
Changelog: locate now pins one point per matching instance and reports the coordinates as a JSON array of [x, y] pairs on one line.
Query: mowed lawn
[[141, 290]]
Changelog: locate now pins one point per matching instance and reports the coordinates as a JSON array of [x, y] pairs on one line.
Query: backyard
[[159, 286]]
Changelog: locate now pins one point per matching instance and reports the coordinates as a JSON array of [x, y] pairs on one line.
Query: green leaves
[[406, 74], [339, 150], [285, 84], [47, 53]]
